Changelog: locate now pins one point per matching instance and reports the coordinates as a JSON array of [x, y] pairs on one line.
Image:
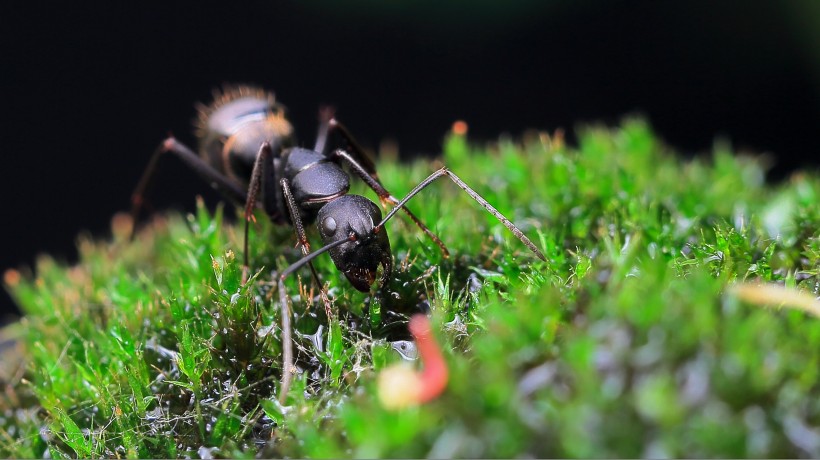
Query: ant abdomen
[[239, 120]]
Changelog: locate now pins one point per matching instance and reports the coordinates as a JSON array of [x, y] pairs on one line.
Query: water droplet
[[406, 348]]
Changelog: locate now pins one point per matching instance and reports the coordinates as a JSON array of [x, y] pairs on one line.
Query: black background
[[89, 90]]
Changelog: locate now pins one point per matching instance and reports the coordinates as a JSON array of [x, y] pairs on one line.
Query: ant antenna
[[287, 341], [474, 195]]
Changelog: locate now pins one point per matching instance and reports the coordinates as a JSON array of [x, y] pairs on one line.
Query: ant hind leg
[[207, 172]]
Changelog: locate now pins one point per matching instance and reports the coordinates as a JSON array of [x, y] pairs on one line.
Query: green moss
[[625, 343]]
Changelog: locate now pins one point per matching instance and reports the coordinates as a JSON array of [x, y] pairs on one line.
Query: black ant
[[246, 148]]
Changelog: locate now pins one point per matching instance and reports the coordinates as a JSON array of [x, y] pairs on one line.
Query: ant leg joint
[[169, 144]]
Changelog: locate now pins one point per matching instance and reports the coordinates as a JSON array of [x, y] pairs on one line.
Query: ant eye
[[329, 226]]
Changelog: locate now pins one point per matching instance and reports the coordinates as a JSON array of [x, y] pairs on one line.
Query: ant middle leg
[[261, 177], [359, 155], [266, 178]]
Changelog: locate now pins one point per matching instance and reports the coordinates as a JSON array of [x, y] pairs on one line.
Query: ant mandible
[[246, 152]]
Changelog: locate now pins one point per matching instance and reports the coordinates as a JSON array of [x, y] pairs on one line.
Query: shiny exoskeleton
[[246, 152]]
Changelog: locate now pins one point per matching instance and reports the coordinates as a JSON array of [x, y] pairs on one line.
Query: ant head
[[352, 218]]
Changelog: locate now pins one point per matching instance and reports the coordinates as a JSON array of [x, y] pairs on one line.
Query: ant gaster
[[246, 152]]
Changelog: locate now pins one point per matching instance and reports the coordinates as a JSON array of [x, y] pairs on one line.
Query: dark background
[[89, 91]]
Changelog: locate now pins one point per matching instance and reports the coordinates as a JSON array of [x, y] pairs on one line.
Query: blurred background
[[89, 91]]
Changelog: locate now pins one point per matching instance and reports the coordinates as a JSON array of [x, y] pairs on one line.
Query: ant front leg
[[207, 172], [301, 236], [474, 195]]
